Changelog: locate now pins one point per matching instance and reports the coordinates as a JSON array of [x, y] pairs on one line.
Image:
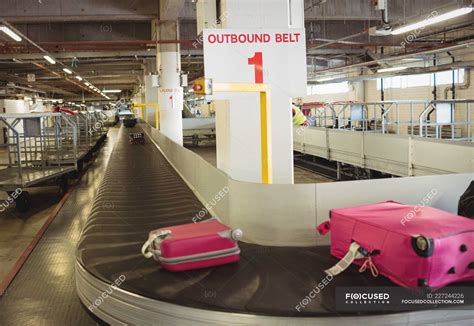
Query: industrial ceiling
[[112, 44]]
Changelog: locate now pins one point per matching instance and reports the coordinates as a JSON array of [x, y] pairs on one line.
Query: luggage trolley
[[100, 127], [34, 154], [95, 129], [69, 139]]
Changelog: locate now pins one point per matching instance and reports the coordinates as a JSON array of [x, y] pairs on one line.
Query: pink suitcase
[[411, 245], [192, 246]]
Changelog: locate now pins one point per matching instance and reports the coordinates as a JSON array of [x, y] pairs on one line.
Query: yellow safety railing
[[145, 116], [207, 87]]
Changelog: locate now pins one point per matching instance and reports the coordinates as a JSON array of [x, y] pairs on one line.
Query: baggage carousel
[[140, 192]]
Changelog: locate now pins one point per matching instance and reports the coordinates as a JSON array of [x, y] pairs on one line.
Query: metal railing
[[37, 141], [442, 119]]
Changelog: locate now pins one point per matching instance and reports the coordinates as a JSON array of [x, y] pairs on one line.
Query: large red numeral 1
[[257, 61]]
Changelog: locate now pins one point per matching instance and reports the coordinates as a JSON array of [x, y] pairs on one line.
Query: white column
[[170, 93], [151, 96], [151, 88], [238, 136]]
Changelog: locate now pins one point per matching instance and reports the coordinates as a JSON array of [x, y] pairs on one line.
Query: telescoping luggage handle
[[148, 249]]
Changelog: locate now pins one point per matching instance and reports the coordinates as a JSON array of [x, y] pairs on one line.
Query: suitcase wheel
[[422, 283], [463, 248], [237, 234], [422, 245]]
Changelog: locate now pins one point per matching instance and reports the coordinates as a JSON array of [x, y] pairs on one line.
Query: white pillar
[[238, 136], [170, 93], [151, 96], [151, 89]]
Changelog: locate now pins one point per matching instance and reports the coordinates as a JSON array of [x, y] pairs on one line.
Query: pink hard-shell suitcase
[[192, 246], [411, 245]]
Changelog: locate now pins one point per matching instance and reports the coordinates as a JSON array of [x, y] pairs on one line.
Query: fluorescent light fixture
[[413, 59], [17, 60], [10, 33], [79, 78], [113, 91], [49, 59], [392, 69], [87, 83], [325, 79], [432, 20], [67, 71]]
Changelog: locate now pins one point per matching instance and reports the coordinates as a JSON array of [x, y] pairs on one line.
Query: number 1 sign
[[271, 56]]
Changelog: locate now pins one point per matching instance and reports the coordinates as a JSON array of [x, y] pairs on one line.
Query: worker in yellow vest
[[299, 118]]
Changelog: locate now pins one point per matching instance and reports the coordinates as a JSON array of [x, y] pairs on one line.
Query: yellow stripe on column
[[265, 127], [265, 135], [157, 118]]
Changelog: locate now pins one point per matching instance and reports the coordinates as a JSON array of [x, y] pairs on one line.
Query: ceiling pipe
[[340, 40], [465, 85], [33, 90], [397, 58], [5, 23], [410, 71]]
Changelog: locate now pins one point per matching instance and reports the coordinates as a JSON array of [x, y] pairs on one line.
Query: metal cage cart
[[84, 140], [40, 150], [100, 127]]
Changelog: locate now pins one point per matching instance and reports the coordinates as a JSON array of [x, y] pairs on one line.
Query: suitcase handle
[[324, 228], [355, 252], [147, 249]]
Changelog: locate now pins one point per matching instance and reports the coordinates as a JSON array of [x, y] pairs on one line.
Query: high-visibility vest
[[298, 117]]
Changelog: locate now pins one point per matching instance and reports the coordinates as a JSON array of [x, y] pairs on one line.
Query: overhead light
[[18, 60], [87, 83], [79, 78], [49, 59], [413, 59], [113, 91], [67, 71], [325, 79], [432, 20], [10, 33], [392, 69]]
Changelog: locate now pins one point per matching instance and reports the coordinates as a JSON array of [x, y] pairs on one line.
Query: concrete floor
[[208, 152], [18, 229], [44, 290]]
